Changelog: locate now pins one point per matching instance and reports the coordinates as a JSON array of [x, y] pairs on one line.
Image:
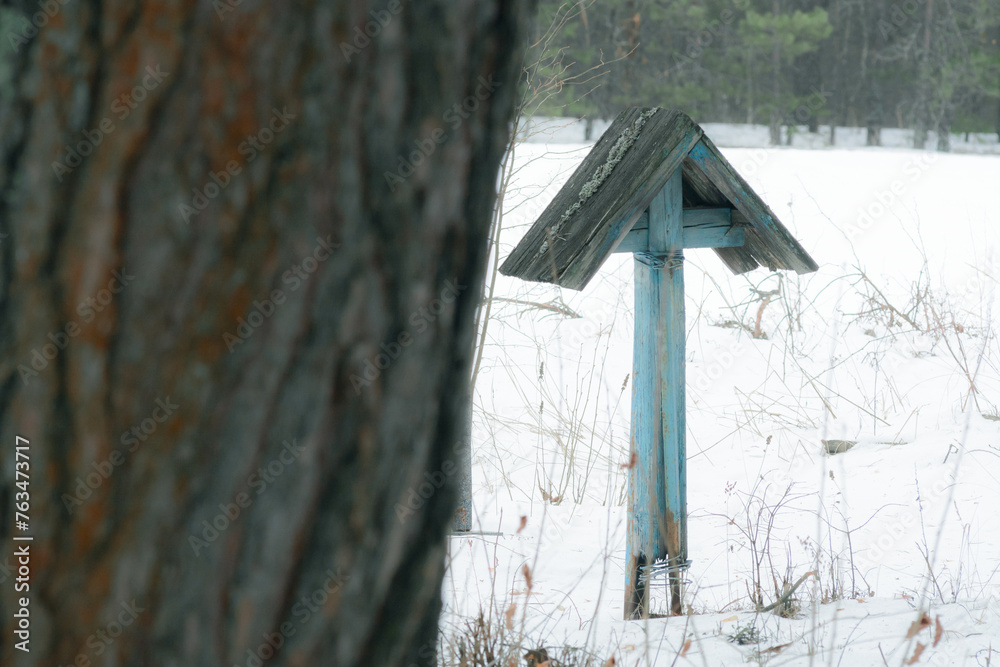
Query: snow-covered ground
[[891, 345]]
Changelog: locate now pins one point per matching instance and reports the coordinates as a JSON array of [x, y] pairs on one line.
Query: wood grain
[[767, 240], [582, 243], [657, 520], [646, 537], [575, 234], [702, 228], [327, 526]]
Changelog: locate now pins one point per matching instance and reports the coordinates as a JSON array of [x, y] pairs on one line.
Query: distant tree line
[[920, 64]]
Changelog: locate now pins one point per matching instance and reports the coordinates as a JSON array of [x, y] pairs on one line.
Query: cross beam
[[657, 501], [702, 228]]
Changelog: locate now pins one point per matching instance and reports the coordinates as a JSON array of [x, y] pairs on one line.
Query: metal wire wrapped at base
[[662, 567]]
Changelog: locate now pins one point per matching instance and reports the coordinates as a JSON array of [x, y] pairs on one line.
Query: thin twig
[[788, 594], [555, 306]]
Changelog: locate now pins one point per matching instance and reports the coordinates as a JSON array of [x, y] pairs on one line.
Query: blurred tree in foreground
[[240, 248]]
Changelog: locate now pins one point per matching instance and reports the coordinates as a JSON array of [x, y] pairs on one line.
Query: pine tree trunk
[[923, 119], [810, 75], [240, 247], [872, 15], [998, 116], [776, 118], [944, 129], [874, 116], [838, 62]]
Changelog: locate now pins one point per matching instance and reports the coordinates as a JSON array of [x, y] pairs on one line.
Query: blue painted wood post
[[645, 541], [674, 447], [657, 518]]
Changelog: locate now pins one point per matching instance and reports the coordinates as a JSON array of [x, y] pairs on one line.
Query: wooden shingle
[[612, 188]]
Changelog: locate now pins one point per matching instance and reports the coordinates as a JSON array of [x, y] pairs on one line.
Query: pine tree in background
[[922, 64]]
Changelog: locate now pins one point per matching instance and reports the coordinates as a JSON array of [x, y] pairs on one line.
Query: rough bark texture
[[338, 550]]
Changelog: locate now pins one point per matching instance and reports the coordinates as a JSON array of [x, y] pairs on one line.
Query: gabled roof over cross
[[602, 208]]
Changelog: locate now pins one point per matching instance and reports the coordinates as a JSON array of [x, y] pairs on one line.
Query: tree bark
[[810, 75], [871, 76], [998, 115], [240, 248], [923, 110], [998, 90], [944, 128], [874, 117], [777, 114]]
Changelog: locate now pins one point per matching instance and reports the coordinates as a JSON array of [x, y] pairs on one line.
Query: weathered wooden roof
[[613, 186]]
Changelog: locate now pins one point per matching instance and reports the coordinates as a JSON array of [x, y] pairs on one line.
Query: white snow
[[551, 427]]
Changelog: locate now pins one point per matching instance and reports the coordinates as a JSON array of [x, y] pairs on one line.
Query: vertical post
[[673, 424], [645, 540], [657, 530], [462, 522]]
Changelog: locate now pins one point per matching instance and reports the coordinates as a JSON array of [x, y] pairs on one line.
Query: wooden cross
[[654, 185], [657, 502]]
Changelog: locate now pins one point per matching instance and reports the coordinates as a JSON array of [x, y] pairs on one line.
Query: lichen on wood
[[615, 155]]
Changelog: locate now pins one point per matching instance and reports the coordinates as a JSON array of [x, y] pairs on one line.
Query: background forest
[[920, 64]]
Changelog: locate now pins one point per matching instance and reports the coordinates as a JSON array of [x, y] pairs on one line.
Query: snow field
[[881, 347]]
